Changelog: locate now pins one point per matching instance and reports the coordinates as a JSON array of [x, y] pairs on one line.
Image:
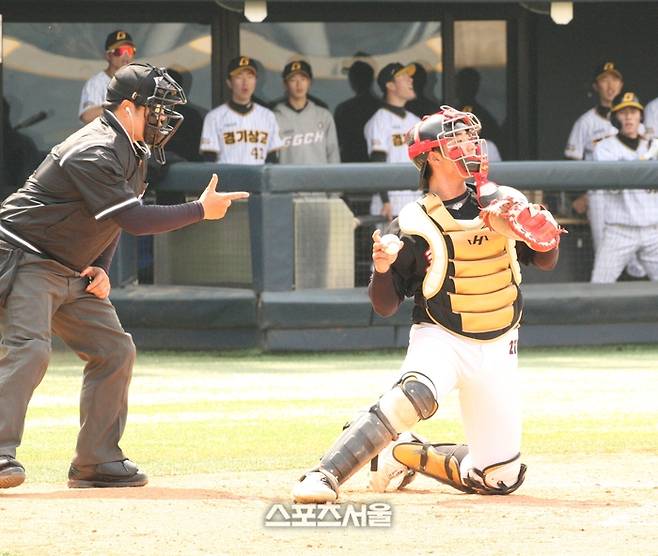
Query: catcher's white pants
[[485, 373], [620, 245]]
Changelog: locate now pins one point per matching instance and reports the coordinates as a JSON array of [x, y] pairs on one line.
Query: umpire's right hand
[[216, 204]]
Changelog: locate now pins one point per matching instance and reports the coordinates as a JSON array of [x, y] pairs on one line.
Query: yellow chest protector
[[471, 285]]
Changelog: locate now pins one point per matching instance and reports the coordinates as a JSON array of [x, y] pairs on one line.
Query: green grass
[[231, 411]]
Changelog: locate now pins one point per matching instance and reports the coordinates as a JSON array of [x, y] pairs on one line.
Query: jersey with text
[[308, 135], [240, 138]]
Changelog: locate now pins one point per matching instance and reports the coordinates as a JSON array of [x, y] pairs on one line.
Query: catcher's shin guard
[[439, 461], [411, 399], [500, 478]]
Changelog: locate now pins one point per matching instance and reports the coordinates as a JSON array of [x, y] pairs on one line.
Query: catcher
[[457, 252]]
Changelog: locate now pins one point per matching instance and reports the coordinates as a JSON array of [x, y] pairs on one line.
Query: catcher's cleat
[[12, 473], [388, 473], [439, 461], [122, 473], [314, 488]]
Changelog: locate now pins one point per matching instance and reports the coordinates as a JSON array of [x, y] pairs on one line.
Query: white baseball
[[391, 244]]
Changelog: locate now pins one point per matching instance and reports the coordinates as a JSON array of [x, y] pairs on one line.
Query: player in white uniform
[[308, 131], [651, 118], [120, 50], [631, 215], [590, 128], [386, 131], [240, 131], [464, 278]]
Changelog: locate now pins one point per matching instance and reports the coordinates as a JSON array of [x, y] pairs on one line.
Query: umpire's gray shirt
[[309, 135], [65, 208]]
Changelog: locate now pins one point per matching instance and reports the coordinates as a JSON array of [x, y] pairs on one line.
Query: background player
[[630, 215], [385, 132], [119, 51], [240, 131], [58, 234], [465, 323], [590, 128], [308, 131]]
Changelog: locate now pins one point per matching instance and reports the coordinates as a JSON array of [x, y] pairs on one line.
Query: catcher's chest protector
[[471, 286]]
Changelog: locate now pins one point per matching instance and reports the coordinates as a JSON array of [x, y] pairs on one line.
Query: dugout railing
[[237, 282]]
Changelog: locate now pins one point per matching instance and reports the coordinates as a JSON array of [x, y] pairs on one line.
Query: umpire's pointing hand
[[216, 204]]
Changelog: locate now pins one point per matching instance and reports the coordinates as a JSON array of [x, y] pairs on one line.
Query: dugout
[[535, 80]]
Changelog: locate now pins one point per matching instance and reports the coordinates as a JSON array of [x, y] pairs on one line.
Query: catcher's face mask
[[459, 141]]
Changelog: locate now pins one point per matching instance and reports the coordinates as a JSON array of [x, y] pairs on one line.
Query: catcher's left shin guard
[[413, 398], [439, 461]]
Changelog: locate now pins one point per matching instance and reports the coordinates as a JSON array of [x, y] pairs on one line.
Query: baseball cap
[[241, 63], [134, 82], [606, 67], [626, 99], [297, 66], [391, 71], [117, 38]]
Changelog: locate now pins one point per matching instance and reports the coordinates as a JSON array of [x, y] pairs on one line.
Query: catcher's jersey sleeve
[[96, 173]]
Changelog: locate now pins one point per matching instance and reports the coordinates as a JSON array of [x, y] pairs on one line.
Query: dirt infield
[[590, 506]]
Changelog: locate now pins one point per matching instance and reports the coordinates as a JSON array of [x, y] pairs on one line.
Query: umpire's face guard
[[162, 121]]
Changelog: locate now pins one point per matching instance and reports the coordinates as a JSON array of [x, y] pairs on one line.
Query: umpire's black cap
[[391, 71], [134, 82]]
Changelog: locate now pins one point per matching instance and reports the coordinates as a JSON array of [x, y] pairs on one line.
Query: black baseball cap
[[297, 66], [626, 99], [134, 82], [117, 38], [606, 67], [391, 71], [241, 63]]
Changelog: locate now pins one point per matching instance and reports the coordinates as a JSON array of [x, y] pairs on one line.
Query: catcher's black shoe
[[122, 473], [12, 473]]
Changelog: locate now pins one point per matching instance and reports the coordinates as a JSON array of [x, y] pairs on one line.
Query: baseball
[[391, 244]]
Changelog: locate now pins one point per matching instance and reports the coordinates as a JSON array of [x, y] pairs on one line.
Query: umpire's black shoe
[[12, 473], [122, 473]]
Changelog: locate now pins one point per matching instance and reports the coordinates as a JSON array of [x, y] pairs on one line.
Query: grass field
[[245, 414]]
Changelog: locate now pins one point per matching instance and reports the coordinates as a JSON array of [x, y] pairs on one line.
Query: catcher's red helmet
[[440, 131]]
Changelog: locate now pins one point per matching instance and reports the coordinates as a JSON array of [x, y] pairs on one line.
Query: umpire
[[58, 234]]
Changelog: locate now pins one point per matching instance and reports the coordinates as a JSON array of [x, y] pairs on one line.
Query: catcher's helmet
[[146, 85], [439, 132], [625, 99]]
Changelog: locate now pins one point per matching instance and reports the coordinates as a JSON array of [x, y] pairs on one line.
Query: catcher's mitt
[[528, 222]]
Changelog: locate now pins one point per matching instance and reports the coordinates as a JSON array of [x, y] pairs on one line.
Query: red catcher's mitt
[[528, 222]]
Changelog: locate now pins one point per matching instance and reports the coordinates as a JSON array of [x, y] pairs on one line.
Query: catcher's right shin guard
[[439, 461], [398, 410]]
